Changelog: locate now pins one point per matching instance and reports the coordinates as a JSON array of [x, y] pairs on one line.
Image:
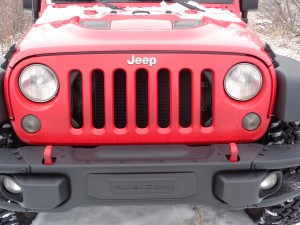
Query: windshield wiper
[[109, 5], [105, 3], [187, 5]]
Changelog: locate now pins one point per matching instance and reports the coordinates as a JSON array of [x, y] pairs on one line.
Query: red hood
[[129, 32]]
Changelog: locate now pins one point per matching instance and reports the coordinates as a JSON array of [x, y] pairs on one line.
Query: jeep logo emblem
[[138, 61]]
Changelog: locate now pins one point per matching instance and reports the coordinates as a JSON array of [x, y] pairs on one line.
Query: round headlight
[[38, 83], [243, 81]]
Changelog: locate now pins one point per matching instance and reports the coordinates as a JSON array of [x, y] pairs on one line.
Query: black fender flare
[[3, 110], [287, 105]]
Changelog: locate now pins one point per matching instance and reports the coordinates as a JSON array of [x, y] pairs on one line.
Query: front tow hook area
[[35, 191]]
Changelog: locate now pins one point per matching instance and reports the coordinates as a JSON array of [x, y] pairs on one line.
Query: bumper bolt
[[257, 166]]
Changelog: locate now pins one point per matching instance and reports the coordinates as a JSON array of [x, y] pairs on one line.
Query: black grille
[[120, 99], [163, 98], [98, 99], [142, 98], [76, 99], [206, 98], [185, 98]]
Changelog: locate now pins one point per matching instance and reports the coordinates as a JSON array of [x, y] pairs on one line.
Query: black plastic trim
[[272, 55], [49, 191], [230, 187], [157, 173], [3, 111], [34, 6], [288, 82], [246, 6], [249, 5], [7, 57]]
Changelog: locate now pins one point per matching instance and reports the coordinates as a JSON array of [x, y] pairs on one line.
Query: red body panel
[[64, 45], [211, 36], [55, 115]]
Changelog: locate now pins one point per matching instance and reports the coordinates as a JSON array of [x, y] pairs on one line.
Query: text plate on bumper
[[142, 186]]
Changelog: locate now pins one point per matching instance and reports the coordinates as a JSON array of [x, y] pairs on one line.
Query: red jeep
[[148, 102]]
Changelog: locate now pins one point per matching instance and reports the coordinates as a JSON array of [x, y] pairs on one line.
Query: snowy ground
[[145, 215]]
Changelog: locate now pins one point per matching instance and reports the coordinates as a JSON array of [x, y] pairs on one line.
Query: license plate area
[[142, 186]]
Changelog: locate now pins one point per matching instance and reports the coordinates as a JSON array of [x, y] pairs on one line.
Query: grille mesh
[[185, 98], [206, 98], [163, 98], [76, 99], [143, 97], [98, 99], [120, 99]]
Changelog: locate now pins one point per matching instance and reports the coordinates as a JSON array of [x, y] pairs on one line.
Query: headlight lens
[[243, 81], [38, 83]]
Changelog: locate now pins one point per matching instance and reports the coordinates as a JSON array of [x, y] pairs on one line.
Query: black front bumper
[[118, 175]]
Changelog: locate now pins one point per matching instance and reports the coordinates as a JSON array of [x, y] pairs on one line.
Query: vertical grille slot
[[120, 99], [206, 98], [163, 98], [76, 99], [185, 98], [141, 98], [98, 99]]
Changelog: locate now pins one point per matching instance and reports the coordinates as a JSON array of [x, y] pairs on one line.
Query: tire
[[286, 213], [283, 133], [15, 218]]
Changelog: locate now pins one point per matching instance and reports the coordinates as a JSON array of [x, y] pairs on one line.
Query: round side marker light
[[31, 124], [251, 121]]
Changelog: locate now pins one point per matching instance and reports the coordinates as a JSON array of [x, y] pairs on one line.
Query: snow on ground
[[144, 215]]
